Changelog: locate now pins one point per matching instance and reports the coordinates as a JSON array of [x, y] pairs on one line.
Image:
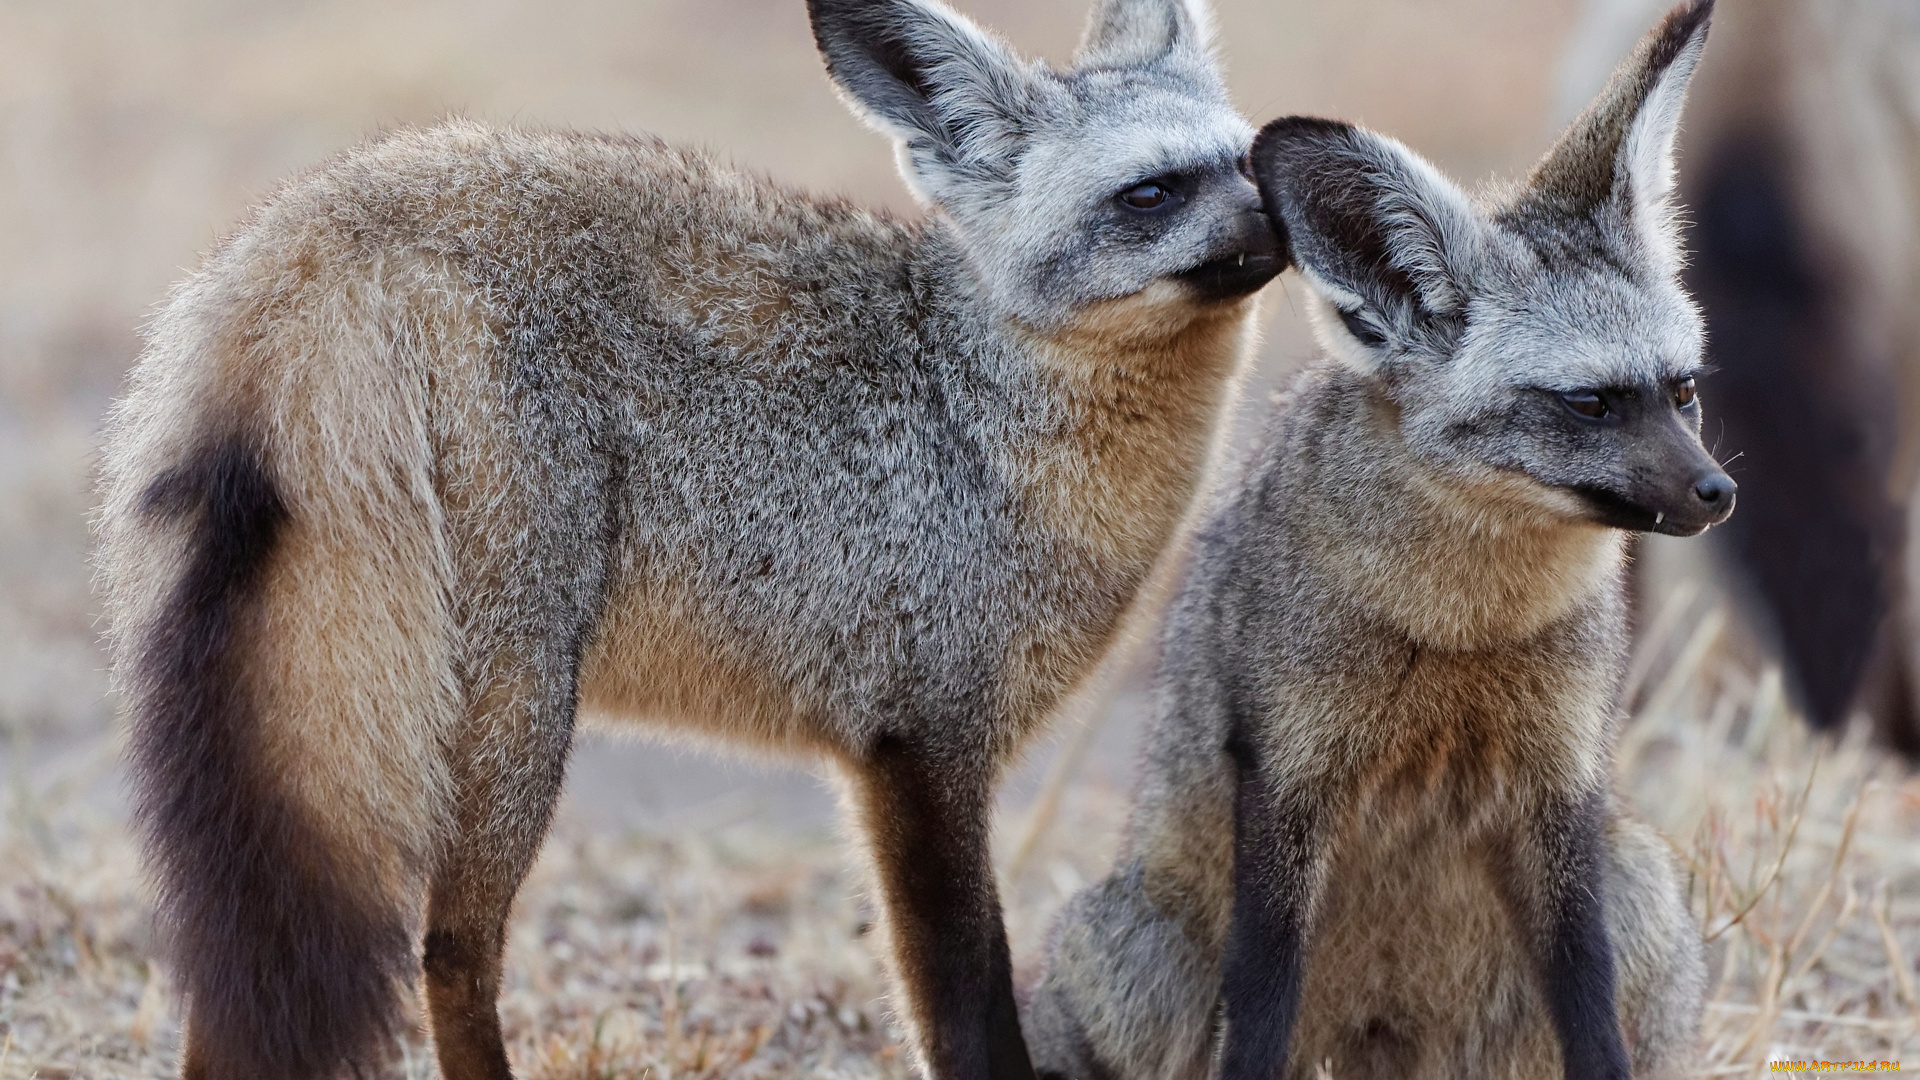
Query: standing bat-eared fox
[[1375, 833], [471, 429]]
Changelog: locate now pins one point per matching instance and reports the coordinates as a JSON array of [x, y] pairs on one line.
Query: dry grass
[[1803, 856], [741, 951], [733, 953]]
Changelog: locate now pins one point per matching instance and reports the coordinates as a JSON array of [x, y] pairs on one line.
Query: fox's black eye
[[1147, 196], [1683, 393], [1586, 403]]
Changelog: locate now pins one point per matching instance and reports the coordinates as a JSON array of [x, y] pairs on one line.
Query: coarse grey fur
[[1375, 831], [501, 425]]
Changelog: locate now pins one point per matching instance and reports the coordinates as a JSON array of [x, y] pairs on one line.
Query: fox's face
[[1123, 175], [1536, 343]]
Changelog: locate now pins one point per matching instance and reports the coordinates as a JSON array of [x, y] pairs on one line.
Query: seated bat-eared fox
[[472, 429], [1375, 832]]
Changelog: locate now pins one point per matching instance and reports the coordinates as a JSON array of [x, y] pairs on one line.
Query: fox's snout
[[1715, 491], [1664, 482], [1703, 499], [1692, 504], [1251, 253]]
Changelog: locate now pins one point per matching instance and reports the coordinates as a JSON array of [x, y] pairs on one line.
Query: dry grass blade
[[1653, 644], [1046, 806], [1756, 894], [1819, 903], [1087, 712], [1782, 824], [1897, 964]]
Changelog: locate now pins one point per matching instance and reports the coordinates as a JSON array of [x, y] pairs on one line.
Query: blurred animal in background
[[1802, 166], [471, 428], [1376, 830]]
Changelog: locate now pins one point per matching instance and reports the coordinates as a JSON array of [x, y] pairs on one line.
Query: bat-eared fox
[[470, 429], [1375, 833]]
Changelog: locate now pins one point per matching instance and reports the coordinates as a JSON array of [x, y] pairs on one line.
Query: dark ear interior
[[1388, 238], [958, 99], [869, 51], [1319, 178]]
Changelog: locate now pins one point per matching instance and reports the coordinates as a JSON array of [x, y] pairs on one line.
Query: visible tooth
[[1243, 259], [1659, 516]]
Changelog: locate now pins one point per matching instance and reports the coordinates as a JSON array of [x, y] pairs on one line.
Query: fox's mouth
[[1233, 276], [1614, 510], [1254, 255]]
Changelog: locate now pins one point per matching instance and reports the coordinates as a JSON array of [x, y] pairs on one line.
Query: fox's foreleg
[[1279, 849], [925, 811], [1552, 877]]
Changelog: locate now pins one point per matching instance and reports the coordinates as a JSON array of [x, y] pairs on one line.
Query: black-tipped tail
[[289, 964]]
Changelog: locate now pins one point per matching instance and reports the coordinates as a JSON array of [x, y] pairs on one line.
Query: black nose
[[1716, 489]]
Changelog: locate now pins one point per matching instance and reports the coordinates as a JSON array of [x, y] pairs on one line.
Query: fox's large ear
[[1376, 231], [1620, 150], [954, 97], [1135, 33]]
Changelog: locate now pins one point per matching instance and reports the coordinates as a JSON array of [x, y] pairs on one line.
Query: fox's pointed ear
[[1620, 150], [955, 98], [1135, 33], [1377, 232]]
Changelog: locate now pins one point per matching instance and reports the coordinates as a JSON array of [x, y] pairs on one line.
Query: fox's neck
[[1102, 432], [1451, 563], [1136, 393]]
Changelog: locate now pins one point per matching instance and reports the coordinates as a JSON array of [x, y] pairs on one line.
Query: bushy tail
[[288, 960], [277, 594]]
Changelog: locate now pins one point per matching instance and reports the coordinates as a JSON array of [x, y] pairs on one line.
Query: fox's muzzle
[[1253, 255], [1689, 506], [1667, 483], [1686, 511]]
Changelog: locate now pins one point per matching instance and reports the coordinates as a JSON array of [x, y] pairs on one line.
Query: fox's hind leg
[[1657, 949], [1131, 988], [507, 772]]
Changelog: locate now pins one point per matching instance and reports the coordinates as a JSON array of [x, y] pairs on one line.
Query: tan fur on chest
[[1141, 380], [1460, 739], [1414, 950], [1468, 733], [1414, 947]]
